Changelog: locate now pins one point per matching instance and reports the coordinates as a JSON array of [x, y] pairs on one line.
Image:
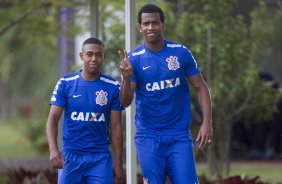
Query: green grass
[[3, 178], [13, 142], [268, 172]]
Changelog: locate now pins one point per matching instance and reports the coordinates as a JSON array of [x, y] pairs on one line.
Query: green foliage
[[266, 36], [28, 48], [35, 132], [29, 61], [13, 142], [237, 89]]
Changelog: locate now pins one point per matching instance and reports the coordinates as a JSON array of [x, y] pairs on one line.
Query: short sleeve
[[116, 102], [190, 65], [59, 98], [134, 74]]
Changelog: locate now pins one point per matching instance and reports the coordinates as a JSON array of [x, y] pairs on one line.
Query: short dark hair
[[151, 8], [93, 41]]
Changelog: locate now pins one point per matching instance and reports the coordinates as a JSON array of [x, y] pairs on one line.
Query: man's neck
[[155, 46], [90, 77]]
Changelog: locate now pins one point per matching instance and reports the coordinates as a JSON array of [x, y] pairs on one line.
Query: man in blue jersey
[[92, 118], [157, 71]]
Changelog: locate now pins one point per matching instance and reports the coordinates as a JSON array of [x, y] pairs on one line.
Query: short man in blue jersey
[[157, 72], [92, 118]]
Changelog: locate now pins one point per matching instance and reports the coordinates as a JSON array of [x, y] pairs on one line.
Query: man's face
[[151, 27], [93, 57]]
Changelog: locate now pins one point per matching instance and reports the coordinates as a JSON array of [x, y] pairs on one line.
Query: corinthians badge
[[173, 64], [101, 98]]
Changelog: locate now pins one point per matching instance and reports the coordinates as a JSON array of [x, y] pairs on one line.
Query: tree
[[223, 47], [266, 29], [28, 66]]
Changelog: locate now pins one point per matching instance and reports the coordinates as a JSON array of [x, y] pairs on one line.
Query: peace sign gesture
[[125, 65]]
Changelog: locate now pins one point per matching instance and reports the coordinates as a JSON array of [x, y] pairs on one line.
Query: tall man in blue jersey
[[92, 114], [157, 72]]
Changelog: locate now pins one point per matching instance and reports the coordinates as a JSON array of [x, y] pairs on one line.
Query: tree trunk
[[212, 157], [212, 162]]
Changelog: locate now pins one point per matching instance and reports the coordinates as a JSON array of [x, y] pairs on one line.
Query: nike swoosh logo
[[75, 96], [145, 68]]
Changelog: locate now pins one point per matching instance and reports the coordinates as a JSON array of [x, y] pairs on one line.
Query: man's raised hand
[[125, 65]]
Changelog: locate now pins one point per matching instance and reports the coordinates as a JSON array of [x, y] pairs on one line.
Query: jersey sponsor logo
[[173, 63], [88, 116], [164, 84], [101, 98], [145, 68], [76, 96]]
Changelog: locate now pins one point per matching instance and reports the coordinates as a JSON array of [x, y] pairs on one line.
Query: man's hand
[[118, 172], [56, 159], [125, 65], [205, 135]]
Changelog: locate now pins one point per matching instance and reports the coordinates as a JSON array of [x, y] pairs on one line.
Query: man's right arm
[[127, 87], [127, 92], [55, 114]]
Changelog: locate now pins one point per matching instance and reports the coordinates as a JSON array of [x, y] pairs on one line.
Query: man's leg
[[72, 173], [151, 158], [99, 169], [181, 161]]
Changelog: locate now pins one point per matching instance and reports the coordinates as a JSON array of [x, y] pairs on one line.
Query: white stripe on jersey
[[193, 58], [58, 84], [173, 45], [109, 81], [138, 53], [70, 78], [179, 45]]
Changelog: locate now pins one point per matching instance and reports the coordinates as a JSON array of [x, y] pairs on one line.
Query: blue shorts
[[161, 156], [86, 169]]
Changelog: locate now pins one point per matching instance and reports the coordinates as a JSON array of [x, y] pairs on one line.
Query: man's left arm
[[205, 134], [117, 142]]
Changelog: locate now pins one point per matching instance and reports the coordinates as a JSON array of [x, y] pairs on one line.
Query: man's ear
[[163, 25], [80, 55], [139, 27], [105, 56]]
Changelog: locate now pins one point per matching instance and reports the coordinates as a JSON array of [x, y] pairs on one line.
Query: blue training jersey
[[87, 106], [162, 92]]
